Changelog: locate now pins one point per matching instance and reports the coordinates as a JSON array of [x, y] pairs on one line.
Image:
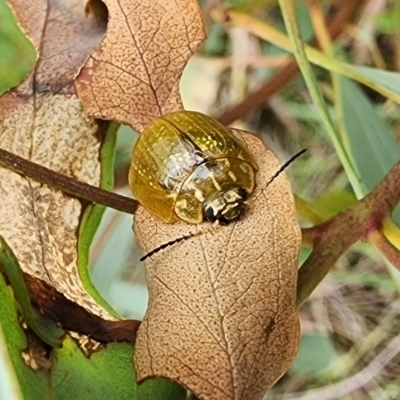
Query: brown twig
[[66, 184], [284, 77], [332, 238]]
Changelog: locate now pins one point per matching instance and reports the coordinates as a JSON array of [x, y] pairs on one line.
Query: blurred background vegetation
[[350, 347]]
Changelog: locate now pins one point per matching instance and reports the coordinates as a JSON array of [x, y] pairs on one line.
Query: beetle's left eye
[[242, 192], [209, 214]]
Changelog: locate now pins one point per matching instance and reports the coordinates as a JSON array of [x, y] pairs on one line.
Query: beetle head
[[227, 207]]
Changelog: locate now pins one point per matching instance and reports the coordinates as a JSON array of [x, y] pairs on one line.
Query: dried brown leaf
[[222, 311], [43, 121], [133, 76]]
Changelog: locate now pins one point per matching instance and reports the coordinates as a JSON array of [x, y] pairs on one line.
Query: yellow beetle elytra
[[186, 165]]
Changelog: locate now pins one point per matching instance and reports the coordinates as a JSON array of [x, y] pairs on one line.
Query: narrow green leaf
[[45, 329], [372, 143], [92, 217], [299, 49], [386, 80]]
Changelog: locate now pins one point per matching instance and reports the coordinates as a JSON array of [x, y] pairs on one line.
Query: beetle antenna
[[281, 169], [177, 240], [165, 245]]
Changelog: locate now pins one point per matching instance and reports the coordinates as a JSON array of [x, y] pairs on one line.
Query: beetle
[[187, 166]]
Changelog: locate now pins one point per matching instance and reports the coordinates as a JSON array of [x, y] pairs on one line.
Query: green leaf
[[17, 54], [160, 389], [107, 374], [316, 352], [331, 203]]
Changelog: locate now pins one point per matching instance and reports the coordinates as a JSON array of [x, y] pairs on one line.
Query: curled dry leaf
[[222, 315], [43, 120], [134, 75]]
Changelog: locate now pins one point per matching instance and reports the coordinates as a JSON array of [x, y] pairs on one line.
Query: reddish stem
[[332, 238]]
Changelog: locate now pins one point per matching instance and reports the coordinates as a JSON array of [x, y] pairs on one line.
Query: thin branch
[[66, 184]]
